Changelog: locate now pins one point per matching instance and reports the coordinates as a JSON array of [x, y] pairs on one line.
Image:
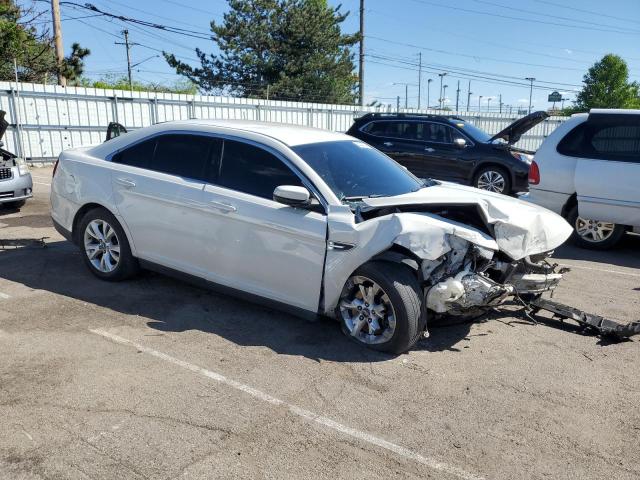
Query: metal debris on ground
[[12, 244]]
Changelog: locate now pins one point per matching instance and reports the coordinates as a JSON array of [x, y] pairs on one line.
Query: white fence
[[46, 119]]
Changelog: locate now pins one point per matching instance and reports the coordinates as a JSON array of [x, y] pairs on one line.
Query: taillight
[[534, 173], [55, 167]]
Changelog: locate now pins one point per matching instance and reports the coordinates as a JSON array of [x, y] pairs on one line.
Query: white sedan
[[317, 222]]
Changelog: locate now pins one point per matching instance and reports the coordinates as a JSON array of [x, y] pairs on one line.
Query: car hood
[[513, 132], [519, 228]]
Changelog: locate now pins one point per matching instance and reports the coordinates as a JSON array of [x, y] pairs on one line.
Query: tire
[[402, 290], [125, 265], [496, 176], [610, 239]]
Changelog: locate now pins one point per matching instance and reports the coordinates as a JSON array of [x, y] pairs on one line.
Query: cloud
[[568, 52]]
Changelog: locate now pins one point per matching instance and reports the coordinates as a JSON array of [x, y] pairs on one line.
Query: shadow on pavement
[[625, 254], [169, 305]]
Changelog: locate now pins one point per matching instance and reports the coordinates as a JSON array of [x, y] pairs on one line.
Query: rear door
[[440, 152], [607, 176], [157, 184], [401, 140]]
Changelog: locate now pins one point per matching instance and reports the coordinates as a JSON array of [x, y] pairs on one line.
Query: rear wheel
[[381, 307], [493, 179], [594, 234], [105, 246]]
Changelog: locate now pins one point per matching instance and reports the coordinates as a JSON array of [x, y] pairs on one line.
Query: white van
[[588, 170]]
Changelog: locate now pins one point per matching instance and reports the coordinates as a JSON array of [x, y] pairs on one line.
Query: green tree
[[20, 39], [283, 49], [606, 85]]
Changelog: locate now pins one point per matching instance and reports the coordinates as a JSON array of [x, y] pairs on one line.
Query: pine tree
[[283, 49]]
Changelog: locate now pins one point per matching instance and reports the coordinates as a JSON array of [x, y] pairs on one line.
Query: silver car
[[16, 185]]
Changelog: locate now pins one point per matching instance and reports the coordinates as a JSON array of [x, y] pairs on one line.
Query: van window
[[617, 138]]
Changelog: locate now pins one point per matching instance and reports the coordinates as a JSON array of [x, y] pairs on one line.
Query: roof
[[290, 135], [612, 111], [393, 115]]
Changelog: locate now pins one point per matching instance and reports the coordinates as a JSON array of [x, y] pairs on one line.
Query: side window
[[184, 155], [253, 170], [574, 143], [618, 142], [436, 132], [138, 155]]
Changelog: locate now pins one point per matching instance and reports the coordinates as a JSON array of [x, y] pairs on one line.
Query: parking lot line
[[40, 183], [301, 412], [604, 270]]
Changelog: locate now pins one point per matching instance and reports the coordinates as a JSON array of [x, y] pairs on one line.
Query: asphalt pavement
[[154, 378]]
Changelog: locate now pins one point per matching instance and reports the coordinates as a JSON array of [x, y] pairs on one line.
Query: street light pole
[[419, 78], [488, 100], [444, 96], [479, 99], [441, 75], [457, 95], [429, 80], [469, 92], [531, 79]]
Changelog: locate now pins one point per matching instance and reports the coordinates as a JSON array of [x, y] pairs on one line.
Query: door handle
[[429, 149], [223, 207], [388, 144], [125, 182]]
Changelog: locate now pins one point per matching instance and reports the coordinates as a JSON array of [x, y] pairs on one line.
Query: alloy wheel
[[492, 181], [367, 312], [594, 231], [102, 246]]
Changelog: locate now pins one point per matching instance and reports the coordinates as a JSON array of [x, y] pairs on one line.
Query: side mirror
[[460, 142], [292, 195]]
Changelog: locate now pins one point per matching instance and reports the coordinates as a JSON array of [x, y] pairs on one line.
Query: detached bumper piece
[[601, 325]]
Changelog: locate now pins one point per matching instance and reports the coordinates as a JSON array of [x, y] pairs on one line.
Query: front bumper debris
[[595, 323]]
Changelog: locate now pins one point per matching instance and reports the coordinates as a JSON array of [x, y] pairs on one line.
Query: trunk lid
[[513, 132]]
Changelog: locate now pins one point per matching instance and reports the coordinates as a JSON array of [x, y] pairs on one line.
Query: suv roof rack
[[371, 115]]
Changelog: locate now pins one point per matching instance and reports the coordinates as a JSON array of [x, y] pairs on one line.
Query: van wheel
[[594, 234], [105, 246], [493, 179], [381, 307]]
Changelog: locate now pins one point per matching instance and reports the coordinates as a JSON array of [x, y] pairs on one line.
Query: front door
[[257, 245]]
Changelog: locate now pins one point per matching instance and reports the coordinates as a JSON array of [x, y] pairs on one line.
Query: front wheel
[[594, 234], [381, 307], [493, 179]]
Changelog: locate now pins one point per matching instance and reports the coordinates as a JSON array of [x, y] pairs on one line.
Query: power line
[[590, 12], [475, 57], [522, 19], [533, 12]]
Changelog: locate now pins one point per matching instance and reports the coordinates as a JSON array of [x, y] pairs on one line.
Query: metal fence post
[[114, 108], [15, 115]]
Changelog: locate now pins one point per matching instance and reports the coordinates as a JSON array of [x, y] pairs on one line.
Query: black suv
[[450, 148]]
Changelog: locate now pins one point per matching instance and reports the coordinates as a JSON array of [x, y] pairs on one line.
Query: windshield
[[473, 131], [354, 170]]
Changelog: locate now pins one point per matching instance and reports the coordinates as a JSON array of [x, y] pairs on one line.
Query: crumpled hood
[[520, 228]]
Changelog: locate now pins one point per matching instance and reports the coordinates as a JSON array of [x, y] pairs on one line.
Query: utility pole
[[479, 99], [441, 75], [398, 103], [444, 96], [457, 95], [128, 45], [500, 103], [419, 78], [428, 91], [531, 79], [469, 92], [57, 39], [361, 57]]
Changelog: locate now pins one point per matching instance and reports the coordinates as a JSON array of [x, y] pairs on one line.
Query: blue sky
[[493, 43]]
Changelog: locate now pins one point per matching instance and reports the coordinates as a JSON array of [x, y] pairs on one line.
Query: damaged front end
[[469, 280]]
